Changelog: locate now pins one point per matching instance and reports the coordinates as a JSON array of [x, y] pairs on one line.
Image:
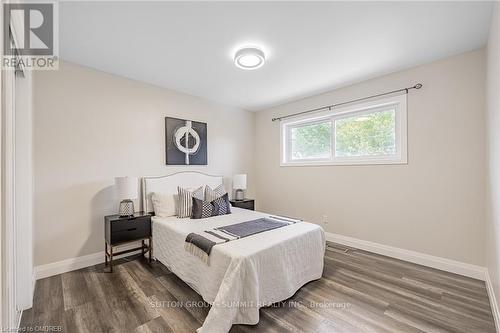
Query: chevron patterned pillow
[[222, 206], [211, 195]]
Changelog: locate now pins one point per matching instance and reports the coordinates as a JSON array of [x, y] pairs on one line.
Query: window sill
[[345, 162]]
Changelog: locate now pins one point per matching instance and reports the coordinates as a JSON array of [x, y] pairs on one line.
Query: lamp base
[[239, 195], [126, 208]]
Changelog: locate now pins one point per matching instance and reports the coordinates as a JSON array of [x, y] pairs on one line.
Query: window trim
[[401, 156]]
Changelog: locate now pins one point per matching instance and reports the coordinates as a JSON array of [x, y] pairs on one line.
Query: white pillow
[[163, 204]]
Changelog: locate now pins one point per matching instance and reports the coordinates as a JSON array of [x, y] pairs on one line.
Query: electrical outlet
[[324, 219]]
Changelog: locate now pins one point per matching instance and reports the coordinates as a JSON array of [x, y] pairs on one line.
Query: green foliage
[[312, 141], [371, 134], [359, 135]]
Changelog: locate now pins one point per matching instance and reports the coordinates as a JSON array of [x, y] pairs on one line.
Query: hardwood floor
[[359, 292]]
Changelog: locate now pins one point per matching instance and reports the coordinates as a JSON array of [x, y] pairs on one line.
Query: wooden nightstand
[[245, 203], [120, 230]]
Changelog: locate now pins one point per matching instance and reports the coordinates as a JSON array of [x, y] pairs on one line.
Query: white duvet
[[244, 274]]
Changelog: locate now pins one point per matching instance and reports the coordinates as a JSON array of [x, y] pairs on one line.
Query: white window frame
[[401, 157]]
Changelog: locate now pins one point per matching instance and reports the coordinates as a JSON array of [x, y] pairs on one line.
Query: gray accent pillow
[[201, 209]]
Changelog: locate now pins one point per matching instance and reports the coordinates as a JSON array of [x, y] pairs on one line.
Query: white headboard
[[168, 184]]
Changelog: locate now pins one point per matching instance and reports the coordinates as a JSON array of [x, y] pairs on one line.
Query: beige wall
[[434, 204], [90, 127], [493, 153]]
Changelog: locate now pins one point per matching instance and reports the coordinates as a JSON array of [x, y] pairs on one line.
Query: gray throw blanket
[[201, 245]]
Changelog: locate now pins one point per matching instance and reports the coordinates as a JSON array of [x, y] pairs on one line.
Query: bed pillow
[[163, 204], [211, 195], [202, 209], [222, 206], [185, 200]]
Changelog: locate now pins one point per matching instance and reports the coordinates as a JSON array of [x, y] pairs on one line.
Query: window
[[367, 133], [311, 141]]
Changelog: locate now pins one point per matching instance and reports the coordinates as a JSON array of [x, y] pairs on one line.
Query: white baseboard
[[68, 265], [72, 264], [493, 300], [18, 319], [448, 265]]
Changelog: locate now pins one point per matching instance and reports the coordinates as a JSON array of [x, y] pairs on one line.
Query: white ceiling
[[311, 47]]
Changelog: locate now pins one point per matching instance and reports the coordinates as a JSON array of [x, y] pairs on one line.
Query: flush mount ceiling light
[[249, 58]]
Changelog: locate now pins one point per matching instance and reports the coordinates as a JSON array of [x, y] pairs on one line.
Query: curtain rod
[[417, 86]]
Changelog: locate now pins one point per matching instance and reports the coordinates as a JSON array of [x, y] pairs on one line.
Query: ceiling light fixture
[[249, 58]]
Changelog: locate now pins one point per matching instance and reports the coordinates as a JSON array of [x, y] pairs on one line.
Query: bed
[[242, 275]]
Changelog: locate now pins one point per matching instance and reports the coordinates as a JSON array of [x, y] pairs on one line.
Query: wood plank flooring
[[359, 292]]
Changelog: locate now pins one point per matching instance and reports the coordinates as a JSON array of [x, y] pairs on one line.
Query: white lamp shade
[[126, 187], [240, 182]]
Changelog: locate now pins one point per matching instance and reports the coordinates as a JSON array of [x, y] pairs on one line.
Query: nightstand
[[120, 230], [245, 203]]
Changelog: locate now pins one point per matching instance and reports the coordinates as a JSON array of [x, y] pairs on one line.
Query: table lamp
[[240, 185], [126, 190]]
